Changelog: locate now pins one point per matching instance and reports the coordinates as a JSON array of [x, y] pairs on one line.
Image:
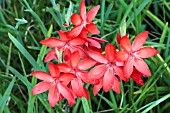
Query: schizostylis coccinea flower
[[56, 83], [134, 54]]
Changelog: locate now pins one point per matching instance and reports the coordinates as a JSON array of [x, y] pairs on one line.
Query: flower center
[[84, 23], [56, 80]]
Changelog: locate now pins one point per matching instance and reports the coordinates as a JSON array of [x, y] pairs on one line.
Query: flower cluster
[[83, 61]]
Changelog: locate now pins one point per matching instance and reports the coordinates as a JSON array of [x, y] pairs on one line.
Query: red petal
[[119, 72], [116, 86], [66, 78], [128, 67], [50, 56], [97, 87], [64, 67], [97, 72], [92, 81], [40, 88], [146, 52], [98, 39], [110, 51], [125, 44], [82, 52], [70, 103], [121, 56], [52, 42], [82, 9], [108, 80], [86, 64], [77, 41], [53, 95], [75, 19], [118, 38], [139, 40], [98, 56], [83, 33], [86, 93], [63, 35], [119, 63], [42, 76], [93, 43], [92, 29], [82, 75], [136, 76], [53, 69], [66, 92], [142, 67], [92, 13], [75, 31], [66, 54], [75, 58], [77, 87]]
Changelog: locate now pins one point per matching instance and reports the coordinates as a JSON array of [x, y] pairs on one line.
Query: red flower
[[65, 43], [107, 69], [78, 69], [80, 53], [133, 55], [55, 83], [83, 22]]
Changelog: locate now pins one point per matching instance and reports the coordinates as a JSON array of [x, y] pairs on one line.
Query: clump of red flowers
[[82, 61]]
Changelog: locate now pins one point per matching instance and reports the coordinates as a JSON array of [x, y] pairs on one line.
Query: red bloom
[[83, 22], [55, 83], [65, 43], [78, 69], [80, 53], [106, 70], [133, 55]]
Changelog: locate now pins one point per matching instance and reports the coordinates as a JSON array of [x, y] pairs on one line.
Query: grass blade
[[157, 102], [9, 57], [85, 105], [165, 30], [57, 9], [56, 18], [23, 79], [137, 11], [24, 52], [6, 95], [6, 109], [127, 12], [42, 26], [155, 19], [102, 16], [167, 45], [106, 100]]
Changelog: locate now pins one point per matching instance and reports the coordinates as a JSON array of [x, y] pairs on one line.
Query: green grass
[[25, 22]]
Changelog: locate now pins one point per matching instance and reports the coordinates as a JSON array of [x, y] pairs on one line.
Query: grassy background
[[23, 23]]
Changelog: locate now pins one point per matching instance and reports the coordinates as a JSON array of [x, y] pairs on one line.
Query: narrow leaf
[[24, 52], [6, 95]]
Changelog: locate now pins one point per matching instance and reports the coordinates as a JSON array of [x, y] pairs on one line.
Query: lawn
[[26, 28]]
